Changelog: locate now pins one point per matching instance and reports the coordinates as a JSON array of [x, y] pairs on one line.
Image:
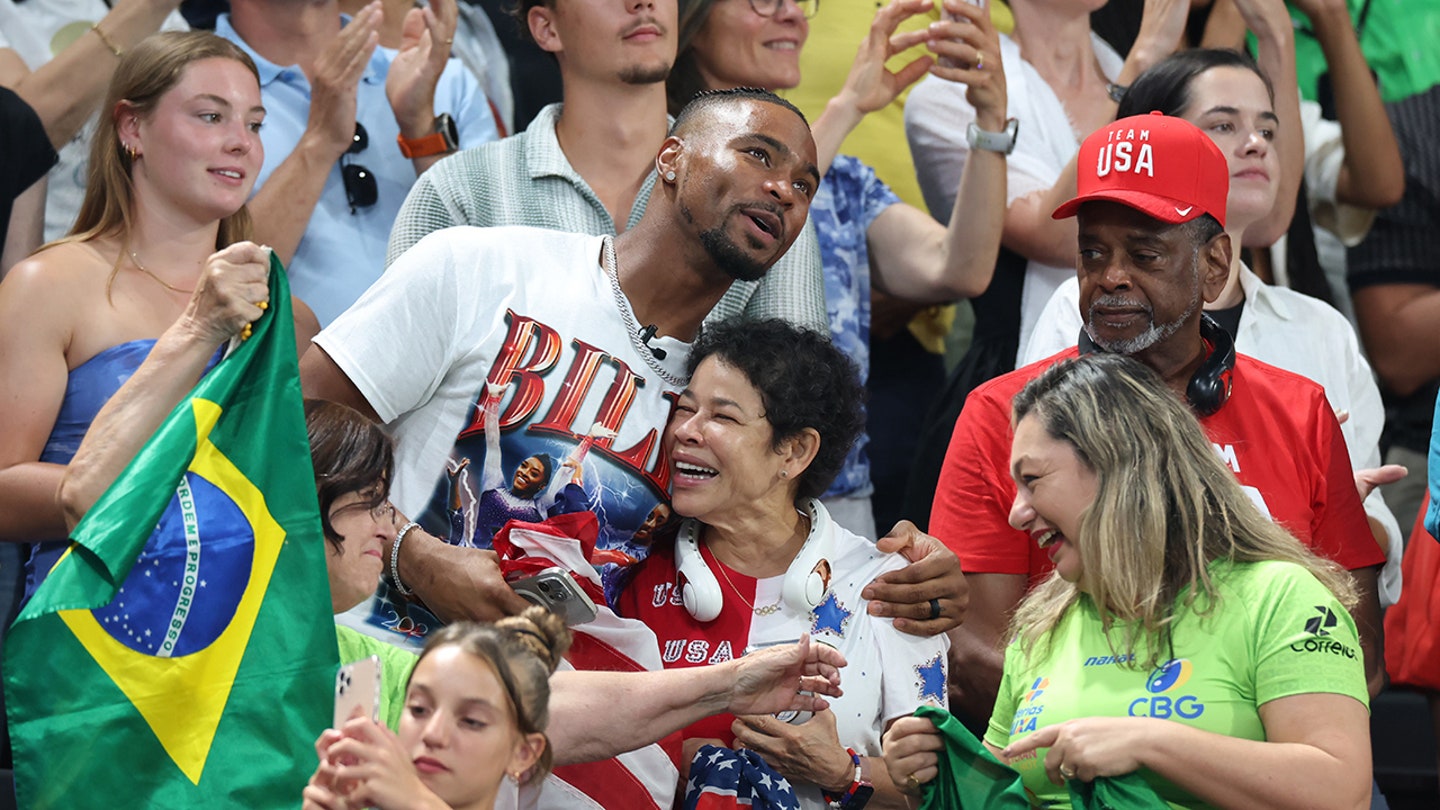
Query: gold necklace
[[167, 285], [763, 610]]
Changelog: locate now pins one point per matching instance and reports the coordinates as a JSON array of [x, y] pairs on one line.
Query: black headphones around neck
[[1209, 387]]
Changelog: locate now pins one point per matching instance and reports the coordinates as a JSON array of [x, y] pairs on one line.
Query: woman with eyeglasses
[[867, 236], [159, 244]]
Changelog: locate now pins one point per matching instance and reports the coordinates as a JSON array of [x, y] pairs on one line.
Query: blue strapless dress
[[88, 388]]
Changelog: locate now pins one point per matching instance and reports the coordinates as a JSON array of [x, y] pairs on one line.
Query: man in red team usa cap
[[1152, 250]]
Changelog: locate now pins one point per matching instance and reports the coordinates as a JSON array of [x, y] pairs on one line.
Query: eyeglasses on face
[[769, 8], [360, 188], [383, 512]]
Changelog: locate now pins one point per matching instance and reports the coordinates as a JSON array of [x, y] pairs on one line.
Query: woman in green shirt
[[1183, 635]]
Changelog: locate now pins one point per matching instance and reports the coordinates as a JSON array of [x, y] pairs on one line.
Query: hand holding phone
[[556, 590], [357, 691]]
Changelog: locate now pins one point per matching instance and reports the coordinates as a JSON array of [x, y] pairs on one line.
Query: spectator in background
[[1352, 163], [475, 45], [1224, 93], [906, 340], [587, 165], [349, 126], [1177, 636], [27, 156], [867, 236], [60, 55]]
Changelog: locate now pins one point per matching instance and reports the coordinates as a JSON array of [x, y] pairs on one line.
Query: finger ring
[[450, 42], [1067, 771], [979, 60], [912, 785], [263, 305], [245, 333], [934, 609]]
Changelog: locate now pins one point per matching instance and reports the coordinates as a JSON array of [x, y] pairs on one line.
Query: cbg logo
[[1162, 685]]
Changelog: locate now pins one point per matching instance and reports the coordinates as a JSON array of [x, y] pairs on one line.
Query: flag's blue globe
[[186, 584]]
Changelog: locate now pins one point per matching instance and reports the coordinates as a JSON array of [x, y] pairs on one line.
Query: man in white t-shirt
[[583, 337]]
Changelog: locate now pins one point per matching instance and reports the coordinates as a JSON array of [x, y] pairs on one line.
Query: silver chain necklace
[[633, 328]]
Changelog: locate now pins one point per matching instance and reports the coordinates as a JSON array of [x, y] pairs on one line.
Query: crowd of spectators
[[574, 260]]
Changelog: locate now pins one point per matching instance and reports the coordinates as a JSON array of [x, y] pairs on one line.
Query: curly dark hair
[[803, 381]]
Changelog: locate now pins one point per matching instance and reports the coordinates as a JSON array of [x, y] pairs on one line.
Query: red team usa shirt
[[1277, 433]]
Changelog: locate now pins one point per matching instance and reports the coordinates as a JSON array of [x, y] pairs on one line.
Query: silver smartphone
[[946, 61], [557, 591], [357, 691]]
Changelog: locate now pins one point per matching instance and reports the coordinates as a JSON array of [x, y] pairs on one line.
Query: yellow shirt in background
[[835, 35]]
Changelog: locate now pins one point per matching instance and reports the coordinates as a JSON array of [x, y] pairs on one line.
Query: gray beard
[[1153, 334]]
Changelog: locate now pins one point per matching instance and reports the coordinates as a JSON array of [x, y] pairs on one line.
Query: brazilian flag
[[182, 652]]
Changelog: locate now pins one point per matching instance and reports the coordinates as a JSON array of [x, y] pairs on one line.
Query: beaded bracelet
[[395, 558], [100, 32]]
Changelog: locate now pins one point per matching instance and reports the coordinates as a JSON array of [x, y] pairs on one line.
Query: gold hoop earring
[[130, 152]]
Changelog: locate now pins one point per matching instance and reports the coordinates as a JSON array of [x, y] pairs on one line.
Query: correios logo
[[1163, 685], [1320, 625]]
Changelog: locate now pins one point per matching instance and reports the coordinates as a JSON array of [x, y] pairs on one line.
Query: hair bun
[[541, 632]]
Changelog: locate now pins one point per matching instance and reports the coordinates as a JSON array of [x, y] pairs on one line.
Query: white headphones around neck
[[802, 589]]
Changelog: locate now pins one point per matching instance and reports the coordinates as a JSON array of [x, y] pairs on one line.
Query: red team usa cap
[[1157, 164]]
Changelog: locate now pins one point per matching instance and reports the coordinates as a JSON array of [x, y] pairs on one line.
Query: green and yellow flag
[[181, 653]]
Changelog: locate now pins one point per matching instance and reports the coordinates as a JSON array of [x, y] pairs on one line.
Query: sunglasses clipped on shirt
[[360, 188]]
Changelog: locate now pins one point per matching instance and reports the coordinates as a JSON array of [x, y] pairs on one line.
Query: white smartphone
[[557, 591], [357, 690]]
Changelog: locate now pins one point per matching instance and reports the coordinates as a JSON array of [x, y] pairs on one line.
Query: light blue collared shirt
[[342, 253]]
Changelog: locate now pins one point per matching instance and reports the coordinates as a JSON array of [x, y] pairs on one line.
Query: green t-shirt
[[1276, 631], [395, 666]]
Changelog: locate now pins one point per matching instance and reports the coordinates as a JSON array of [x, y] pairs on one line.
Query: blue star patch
[[830, 616], [930, 678]]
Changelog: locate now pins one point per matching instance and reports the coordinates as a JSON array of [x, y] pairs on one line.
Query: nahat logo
[[1320, 625]]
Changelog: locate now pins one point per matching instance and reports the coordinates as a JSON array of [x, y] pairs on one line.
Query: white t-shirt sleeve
[[416, 304]]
